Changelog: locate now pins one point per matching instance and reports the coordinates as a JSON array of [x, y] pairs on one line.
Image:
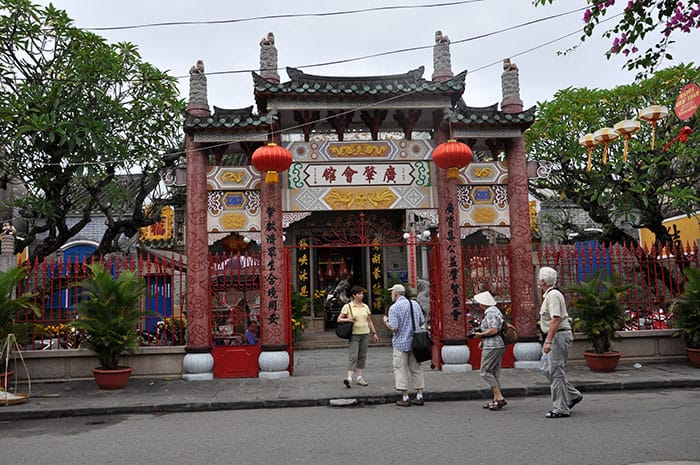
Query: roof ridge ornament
[[510, 85], [198, 104], [442, 60], [268, 59]]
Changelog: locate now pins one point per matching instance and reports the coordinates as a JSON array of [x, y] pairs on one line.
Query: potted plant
[[686, 312], [11, 306], [599, 314], [109, 314]]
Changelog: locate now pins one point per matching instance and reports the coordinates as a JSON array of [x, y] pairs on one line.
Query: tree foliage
[[639, 19], [78, 116], [651, 186]]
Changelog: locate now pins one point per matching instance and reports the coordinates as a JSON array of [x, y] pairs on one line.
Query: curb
[[359, 401]]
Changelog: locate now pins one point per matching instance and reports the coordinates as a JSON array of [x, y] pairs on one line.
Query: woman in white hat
[[492, 347]]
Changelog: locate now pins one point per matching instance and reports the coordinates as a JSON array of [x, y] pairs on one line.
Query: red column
[[198, 281], [522, 282], [273, 300], [452, 286]]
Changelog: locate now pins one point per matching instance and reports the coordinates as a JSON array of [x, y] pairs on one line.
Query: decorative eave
[[490, 116], [410, 82], [229, 118]]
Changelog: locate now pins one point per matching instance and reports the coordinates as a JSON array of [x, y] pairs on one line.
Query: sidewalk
[[317, 380]]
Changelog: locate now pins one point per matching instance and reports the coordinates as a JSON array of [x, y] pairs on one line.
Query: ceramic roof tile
[[301, 82], [489, 116], [228, 118]]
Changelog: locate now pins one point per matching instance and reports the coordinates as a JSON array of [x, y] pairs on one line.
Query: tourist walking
[[408, 373], [492, 347], [556, 325], [358, 312]]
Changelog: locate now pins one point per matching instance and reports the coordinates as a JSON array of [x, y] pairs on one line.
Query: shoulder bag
[[344, 329], [421, 340]]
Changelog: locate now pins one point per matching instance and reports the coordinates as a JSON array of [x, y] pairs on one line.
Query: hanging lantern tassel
[[271, 159], [452, 156], [626, 128], [653, 114], [588, 141], [605, 136], [682, 136]]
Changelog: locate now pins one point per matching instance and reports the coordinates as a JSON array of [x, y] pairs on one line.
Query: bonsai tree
[[686, 311], [109, 314], [597, 309], [12, 305]]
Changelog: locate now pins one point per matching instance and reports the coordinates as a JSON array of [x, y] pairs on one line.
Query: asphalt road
[[608, 428]]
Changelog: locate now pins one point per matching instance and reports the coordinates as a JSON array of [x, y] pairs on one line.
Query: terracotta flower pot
[[693, 356], [602, 363], [111, 379]]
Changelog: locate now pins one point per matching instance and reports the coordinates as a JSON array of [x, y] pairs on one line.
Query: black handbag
[[421, 340], [344, 330]]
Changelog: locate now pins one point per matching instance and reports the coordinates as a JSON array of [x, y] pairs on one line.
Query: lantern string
[[653, 134]]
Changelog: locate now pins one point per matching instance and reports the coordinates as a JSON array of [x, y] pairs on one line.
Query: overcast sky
[[305, 41]]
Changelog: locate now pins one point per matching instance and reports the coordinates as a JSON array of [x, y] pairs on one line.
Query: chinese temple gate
[[362, 203]]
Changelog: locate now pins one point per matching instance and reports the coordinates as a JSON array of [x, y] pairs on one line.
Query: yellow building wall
[[688, 228]]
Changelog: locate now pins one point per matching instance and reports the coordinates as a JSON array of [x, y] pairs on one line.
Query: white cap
[[398, 288], [485, 298]]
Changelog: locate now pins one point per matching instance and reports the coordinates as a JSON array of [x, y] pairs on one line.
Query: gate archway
[[328, 252]]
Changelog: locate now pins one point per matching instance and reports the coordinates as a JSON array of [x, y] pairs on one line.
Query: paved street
[[317, 380], [606, 428]]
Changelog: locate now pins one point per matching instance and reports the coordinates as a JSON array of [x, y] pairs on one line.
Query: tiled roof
[[228, 118], [412, 81], [489, 116]]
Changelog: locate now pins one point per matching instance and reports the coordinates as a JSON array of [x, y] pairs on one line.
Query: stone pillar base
[[273, 364], [463, 368], [198, 367], [455, 359], [527, 354]]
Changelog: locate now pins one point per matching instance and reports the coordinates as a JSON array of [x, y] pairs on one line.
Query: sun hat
[[398, 288], [485, 298]]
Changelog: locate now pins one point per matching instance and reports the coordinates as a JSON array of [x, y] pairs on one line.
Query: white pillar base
[[198, 367], [527, 354], [463, 368], [455, 359], [273, 364]]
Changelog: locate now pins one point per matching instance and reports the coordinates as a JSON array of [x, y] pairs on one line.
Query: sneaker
[[403, 403], [347, 382], [417, 401], [361, 382]]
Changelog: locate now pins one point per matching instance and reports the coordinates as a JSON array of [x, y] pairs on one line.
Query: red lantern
[[272, 159], [452, 156]]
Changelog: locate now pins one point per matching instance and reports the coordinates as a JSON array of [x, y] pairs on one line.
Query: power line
[[282, 16], [378, 54]]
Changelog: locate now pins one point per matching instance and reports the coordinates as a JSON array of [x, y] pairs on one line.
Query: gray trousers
[[563, 392], [491, 366]]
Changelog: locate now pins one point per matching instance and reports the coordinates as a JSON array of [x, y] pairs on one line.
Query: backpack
[[508, 333]]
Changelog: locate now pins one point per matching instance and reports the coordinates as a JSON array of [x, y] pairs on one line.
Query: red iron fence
[[655, 272]]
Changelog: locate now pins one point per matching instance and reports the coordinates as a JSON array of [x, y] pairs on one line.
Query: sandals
[[498, 404], [553, 414], [489, 405]]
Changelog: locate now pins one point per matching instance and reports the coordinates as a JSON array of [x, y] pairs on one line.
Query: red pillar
[[198, 280], [521, 270], [452, 287], [273, 300]]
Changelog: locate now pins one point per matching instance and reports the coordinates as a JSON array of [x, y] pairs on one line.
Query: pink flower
[[587, 16]]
